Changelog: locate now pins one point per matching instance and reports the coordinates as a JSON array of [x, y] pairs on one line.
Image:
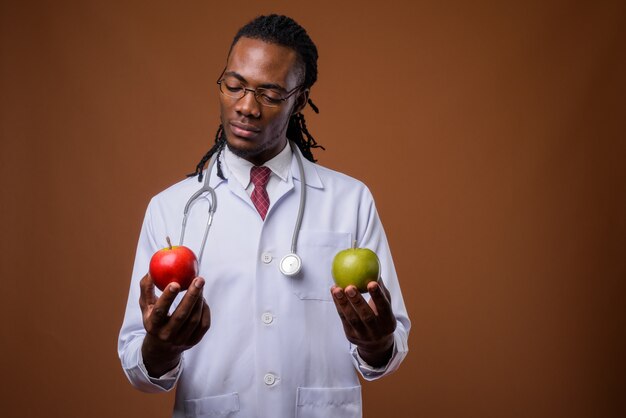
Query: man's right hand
[[169, 335]]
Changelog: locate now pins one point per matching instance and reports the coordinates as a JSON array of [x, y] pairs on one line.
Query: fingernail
[[338, 294], [174, 288], [199, 283], [351, 292]]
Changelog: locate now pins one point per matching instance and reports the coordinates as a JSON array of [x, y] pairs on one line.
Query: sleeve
[[132, 332], [370, 234]]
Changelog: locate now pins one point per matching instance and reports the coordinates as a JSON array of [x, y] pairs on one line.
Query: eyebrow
[[264, 85]]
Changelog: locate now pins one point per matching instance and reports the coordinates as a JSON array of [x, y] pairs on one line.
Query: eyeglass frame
[[254, 92]]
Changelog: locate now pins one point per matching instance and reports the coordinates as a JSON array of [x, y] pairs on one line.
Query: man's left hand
[[369, 326]]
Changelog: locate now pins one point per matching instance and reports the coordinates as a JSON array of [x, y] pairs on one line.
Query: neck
[[261, 157]]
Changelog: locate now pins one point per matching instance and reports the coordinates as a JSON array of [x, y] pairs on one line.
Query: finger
[[159, 313], [351, 317], [380, 300], [342, 305], [186, 306], [361, 307], [203, 327], [385, 290], [341, 301], [189, 325], [146, 295]]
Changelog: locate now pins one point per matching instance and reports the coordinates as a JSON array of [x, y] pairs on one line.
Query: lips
[[244, 130]]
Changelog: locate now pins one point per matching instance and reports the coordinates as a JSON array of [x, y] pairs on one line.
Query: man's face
[[253, 131]]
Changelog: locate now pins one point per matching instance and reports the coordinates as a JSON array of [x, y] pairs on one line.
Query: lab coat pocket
[[328, 402], [317, 250], [212, 406]]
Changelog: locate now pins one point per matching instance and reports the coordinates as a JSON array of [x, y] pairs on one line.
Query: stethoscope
[[291, 264]]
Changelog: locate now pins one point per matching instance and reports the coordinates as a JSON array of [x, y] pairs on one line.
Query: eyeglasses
[[265, 97]]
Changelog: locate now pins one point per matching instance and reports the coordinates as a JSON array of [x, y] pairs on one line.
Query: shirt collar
[[240, 167], [313, 178]]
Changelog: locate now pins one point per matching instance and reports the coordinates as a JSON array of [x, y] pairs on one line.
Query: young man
[[245, 339]]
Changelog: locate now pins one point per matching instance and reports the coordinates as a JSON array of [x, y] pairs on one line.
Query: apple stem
[[169, 243], [353, 244]]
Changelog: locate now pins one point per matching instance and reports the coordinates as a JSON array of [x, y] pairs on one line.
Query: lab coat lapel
[[215, 180], [284, 187], [235, 187], [311, 175]]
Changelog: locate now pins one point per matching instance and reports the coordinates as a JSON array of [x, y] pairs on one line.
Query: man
[[246, 340]]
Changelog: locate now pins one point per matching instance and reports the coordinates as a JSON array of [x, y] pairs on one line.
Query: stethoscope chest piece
[[290, 264]]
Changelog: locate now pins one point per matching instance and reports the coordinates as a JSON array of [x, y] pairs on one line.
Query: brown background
[[491, 134]]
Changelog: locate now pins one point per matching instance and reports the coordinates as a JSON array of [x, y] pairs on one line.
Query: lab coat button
[[267, 318], [267, 258], [269, 379]]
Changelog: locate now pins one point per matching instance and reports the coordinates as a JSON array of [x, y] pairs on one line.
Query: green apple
[[356, 266]]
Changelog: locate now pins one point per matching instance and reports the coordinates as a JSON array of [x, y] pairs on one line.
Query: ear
[[301, 100]]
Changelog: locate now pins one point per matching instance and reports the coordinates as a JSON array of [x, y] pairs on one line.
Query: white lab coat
[[276, 346]]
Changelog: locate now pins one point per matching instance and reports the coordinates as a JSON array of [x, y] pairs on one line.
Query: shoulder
[[331, 175], [177, 192], [337, 182]]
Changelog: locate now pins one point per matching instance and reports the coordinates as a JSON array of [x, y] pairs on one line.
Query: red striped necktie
[[259, 176]]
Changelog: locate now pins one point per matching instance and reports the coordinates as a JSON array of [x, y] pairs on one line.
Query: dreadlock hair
[[220, 142], [284, 31]]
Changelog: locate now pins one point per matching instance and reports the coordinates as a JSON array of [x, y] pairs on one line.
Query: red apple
[[173, 264], [355, 266]]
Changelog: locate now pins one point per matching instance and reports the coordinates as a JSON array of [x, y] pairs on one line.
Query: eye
[[270, 97], [233, 88]]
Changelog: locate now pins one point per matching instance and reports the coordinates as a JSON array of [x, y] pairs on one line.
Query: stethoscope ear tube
[[296, 229], [212, 208], [291, 264]]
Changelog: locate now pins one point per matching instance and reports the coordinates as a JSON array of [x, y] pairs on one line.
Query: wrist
[[381, 345], [378, 354], [158, 358]]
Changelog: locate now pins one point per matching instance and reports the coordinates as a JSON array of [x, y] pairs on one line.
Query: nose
[[248, 106]]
